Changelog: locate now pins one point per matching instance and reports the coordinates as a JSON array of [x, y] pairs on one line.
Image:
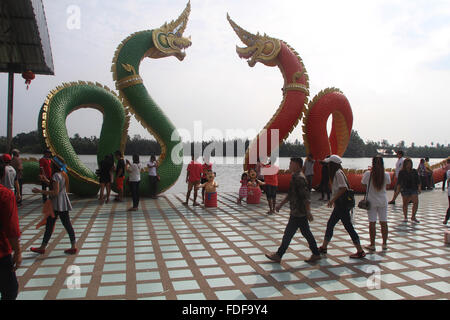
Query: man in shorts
[[120, 175], [193, 176]]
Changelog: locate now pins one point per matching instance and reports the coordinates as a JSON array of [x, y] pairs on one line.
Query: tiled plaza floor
[[169, 251]]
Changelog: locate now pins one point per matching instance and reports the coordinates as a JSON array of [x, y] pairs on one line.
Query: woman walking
[[338, 187], [59, 186], [153, 176], [134, 170], [410, 187], [376, 181]]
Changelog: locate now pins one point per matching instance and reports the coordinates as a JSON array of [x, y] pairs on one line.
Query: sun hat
[[333, 158]]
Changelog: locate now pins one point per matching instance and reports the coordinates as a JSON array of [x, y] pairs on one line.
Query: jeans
[[153, 185], [291, 228], [65, 219], [343, 215], [9, 287], [134, 186]]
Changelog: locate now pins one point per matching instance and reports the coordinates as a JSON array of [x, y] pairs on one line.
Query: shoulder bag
[[365, 204], [347, 200]]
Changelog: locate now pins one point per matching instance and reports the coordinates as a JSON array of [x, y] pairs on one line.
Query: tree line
[[31, 143]]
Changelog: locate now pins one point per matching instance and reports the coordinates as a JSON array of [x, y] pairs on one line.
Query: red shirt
[[9, 220], [195, 171], [205, 168], [271, 180], [45, 165]]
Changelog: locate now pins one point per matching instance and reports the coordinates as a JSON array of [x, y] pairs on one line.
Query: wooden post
[[10, 111]]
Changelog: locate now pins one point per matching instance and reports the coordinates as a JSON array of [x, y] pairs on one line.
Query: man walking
[[45, 169], [299, 201], [398, 167], [9, 242]]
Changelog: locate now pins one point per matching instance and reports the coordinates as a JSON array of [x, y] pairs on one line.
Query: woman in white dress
[[376, 181]]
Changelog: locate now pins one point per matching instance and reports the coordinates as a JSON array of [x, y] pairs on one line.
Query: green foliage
[[30, 143]]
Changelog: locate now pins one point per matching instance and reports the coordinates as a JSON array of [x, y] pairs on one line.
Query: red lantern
[[28, 76]]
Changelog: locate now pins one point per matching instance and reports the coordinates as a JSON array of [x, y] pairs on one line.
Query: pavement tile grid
[[169, 251]]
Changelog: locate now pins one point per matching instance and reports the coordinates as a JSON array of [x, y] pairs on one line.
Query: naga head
[[169, 40], [259, 48]]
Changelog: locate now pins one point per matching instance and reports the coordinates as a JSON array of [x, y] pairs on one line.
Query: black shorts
[[271, 191], [203, 180]]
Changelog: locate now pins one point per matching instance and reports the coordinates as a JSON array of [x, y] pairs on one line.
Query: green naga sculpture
[[133, 98]]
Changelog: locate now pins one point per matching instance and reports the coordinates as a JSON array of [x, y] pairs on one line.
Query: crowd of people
[[263, 177]]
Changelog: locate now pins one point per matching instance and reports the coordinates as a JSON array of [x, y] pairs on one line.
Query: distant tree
[[356, 146]]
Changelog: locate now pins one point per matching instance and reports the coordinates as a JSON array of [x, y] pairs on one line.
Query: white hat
[[333, 158]]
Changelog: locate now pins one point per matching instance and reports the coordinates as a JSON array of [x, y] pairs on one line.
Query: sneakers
[[38, 250], [313, 258], [274, 257], [358, 255]]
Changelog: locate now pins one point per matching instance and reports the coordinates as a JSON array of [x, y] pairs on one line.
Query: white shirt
[[152, 171], [338, 182], [309, 167], [399, 166], [135, 173], [377, 198], [9, 177]]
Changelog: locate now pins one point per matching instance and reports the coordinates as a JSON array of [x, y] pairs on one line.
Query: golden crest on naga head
[[259, 48], [169, 40]]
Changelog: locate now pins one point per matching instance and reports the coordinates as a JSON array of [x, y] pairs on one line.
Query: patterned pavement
[[169, 251]]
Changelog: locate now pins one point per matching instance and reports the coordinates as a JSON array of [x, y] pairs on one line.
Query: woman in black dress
[[106, 167], [410, 187]]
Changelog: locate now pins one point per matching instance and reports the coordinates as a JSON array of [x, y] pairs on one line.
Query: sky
[[390, 58]]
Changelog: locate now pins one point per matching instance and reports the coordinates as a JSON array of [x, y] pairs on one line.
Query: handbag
[[364, 203], [347, 199]]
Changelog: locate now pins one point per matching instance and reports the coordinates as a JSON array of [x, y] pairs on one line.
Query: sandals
[[384, 247], [415, 220], [322, 250], [370, 248], [37, 250], [71, 251], [358, 255]]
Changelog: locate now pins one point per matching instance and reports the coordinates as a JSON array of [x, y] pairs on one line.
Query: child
[[254, 190], [210, 190], [243, 190]]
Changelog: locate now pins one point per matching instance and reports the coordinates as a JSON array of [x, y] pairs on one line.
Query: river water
[[229, 169]]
